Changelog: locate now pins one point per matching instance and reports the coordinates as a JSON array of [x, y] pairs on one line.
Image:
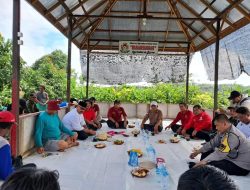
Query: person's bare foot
[[75, 143]]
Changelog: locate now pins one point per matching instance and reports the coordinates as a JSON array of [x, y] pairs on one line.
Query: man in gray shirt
[[229, 149], [238, 100]]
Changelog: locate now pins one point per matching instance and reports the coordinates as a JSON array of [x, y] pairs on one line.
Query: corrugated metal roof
[[105, 29]]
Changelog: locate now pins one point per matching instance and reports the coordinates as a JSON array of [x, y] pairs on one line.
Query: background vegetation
[[50, 70]]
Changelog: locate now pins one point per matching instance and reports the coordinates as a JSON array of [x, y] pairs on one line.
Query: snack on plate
[[118, 142], [125, 135], [140, 172], [131, 126], [149, 165], [102, 136], [138, 151], [162, 141], [174, 140], [100, 145], [135, 132]]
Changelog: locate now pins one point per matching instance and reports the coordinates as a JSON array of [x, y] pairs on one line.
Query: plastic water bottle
[[144, 136], [133, 159], [163, 177], [151, 153], [137, 124], [158, 174]]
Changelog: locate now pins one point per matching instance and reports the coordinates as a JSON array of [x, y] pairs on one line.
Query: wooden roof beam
[[94, 46], [166, 34], [210, 28], [84, 10], [203, 11], [216, 12], [83, 19], [72, 10], [142, 31], [113, 40], [53, 7], [241, 10], [139, 12], [177, 14], [220, 15], [105, 12], [110, 30], [68, 11], [139, 23], [167, 49], [195, 31]]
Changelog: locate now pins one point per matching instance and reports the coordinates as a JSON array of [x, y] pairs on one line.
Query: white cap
[[153, 103], [75, 103]]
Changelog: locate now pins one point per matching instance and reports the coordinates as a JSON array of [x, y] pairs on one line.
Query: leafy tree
[[5, 63], [56, 58]]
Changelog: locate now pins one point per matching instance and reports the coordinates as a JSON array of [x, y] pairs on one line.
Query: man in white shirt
[[243, 115], [74, 121]]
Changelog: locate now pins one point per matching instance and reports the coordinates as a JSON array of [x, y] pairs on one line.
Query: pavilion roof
[[172, 23]]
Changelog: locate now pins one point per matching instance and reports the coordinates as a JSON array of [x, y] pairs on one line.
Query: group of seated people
[[228, 149]]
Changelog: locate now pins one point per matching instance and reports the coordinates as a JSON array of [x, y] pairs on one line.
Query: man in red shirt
[[96, 109], [115, 115], [200, 126], [90, 117], [185, 116]]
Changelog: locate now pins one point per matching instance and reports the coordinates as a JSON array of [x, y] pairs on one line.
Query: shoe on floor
[[103, 121]]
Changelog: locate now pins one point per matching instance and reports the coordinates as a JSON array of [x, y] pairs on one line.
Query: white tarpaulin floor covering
[[88, 168]]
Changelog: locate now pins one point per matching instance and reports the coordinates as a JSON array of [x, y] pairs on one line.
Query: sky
[[40, 38]]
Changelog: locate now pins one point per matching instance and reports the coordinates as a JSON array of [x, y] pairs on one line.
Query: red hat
[[7, 117], [53, 105]]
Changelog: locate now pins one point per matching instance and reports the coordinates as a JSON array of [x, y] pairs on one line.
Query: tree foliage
[[57, 58], [50, 70], [5, 63]]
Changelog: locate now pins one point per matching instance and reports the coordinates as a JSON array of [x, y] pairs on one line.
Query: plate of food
[[118, 142], [102, 136], [135, 132], [100, 145], [149, 165], [131, 126], [138, 151], [174, 140], [161, 141], [140, 172]]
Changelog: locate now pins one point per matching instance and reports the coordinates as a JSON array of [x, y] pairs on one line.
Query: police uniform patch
[[224, 146]]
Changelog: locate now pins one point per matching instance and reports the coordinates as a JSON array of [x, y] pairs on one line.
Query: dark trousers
[[111, 124], [175, 127], [81, 135], [90, 126], [227, 166], [200, 134], [151, 127]]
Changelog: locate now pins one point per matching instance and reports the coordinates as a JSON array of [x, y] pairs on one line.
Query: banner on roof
[[134, 47]]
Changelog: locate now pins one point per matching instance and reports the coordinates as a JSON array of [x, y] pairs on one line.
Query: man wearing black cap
[[239, 100]]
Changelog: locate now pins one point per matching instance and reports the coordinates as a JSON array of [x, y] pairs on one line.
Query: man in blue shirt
[[6, 121], [50, 133]]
